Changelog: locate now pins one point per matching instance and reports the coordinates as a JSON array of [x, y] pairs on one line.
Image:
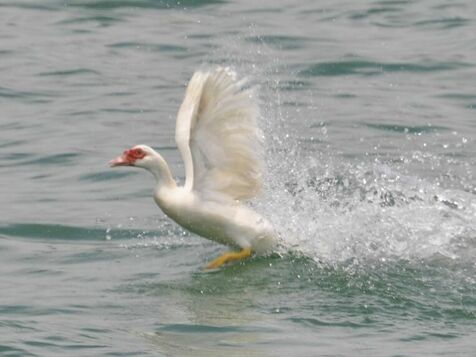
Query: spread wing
[[217, 136]]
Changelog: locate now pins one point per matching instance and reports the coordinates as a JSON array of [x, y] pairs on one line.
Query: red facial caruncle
[[128, 158], [134, 154]]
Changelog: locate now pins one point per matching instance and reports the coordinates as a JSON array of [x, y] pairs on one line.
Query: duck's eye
[[137, 153]]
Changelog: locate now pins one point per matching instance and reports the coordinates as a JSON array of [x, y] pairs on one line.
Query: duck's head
[[139, 156], [147, 158]]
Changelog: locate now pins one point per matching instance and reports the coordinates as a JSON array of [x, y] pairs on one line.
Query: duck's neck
[[161, 172]]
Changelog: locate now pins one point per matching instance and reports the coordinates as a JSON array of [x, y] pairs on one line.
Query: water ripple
[[147, 4], [25, 159], [106, 176], [70, 72], [406, 129], [103, 20], [282, 42], [64, 232], [444, 23], [369, 68], [43, 96]]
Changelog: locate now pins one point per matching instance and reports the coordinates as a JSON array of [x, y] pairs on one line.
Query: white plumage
[[220, 143], [217, 135]]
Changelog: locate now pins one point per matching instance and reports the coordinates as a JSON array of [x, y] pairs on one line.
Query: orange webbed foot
[[230, 257]]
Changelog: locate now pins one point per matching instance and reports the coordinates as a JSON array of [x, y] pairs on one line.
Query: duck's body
[[234, 224], [217, 136]]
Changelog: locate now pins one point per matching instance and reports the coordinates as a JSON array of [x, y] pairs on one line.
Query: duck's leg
[[230, 257]]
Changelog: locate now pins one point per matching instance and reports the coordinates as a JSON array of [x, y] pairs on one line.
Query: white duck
[[220, 144]]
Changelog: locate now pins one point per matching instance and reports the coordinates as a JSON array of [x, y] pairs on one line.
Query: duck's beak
[[119, 161]]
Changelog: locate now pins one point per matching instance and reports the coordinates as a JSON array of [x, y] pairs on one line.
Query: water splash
[[408, 202], [335, 191], [368, 212]]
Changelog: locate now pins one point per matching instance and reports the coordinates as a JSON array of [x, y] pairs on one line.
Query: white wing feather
[[217, 136]]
